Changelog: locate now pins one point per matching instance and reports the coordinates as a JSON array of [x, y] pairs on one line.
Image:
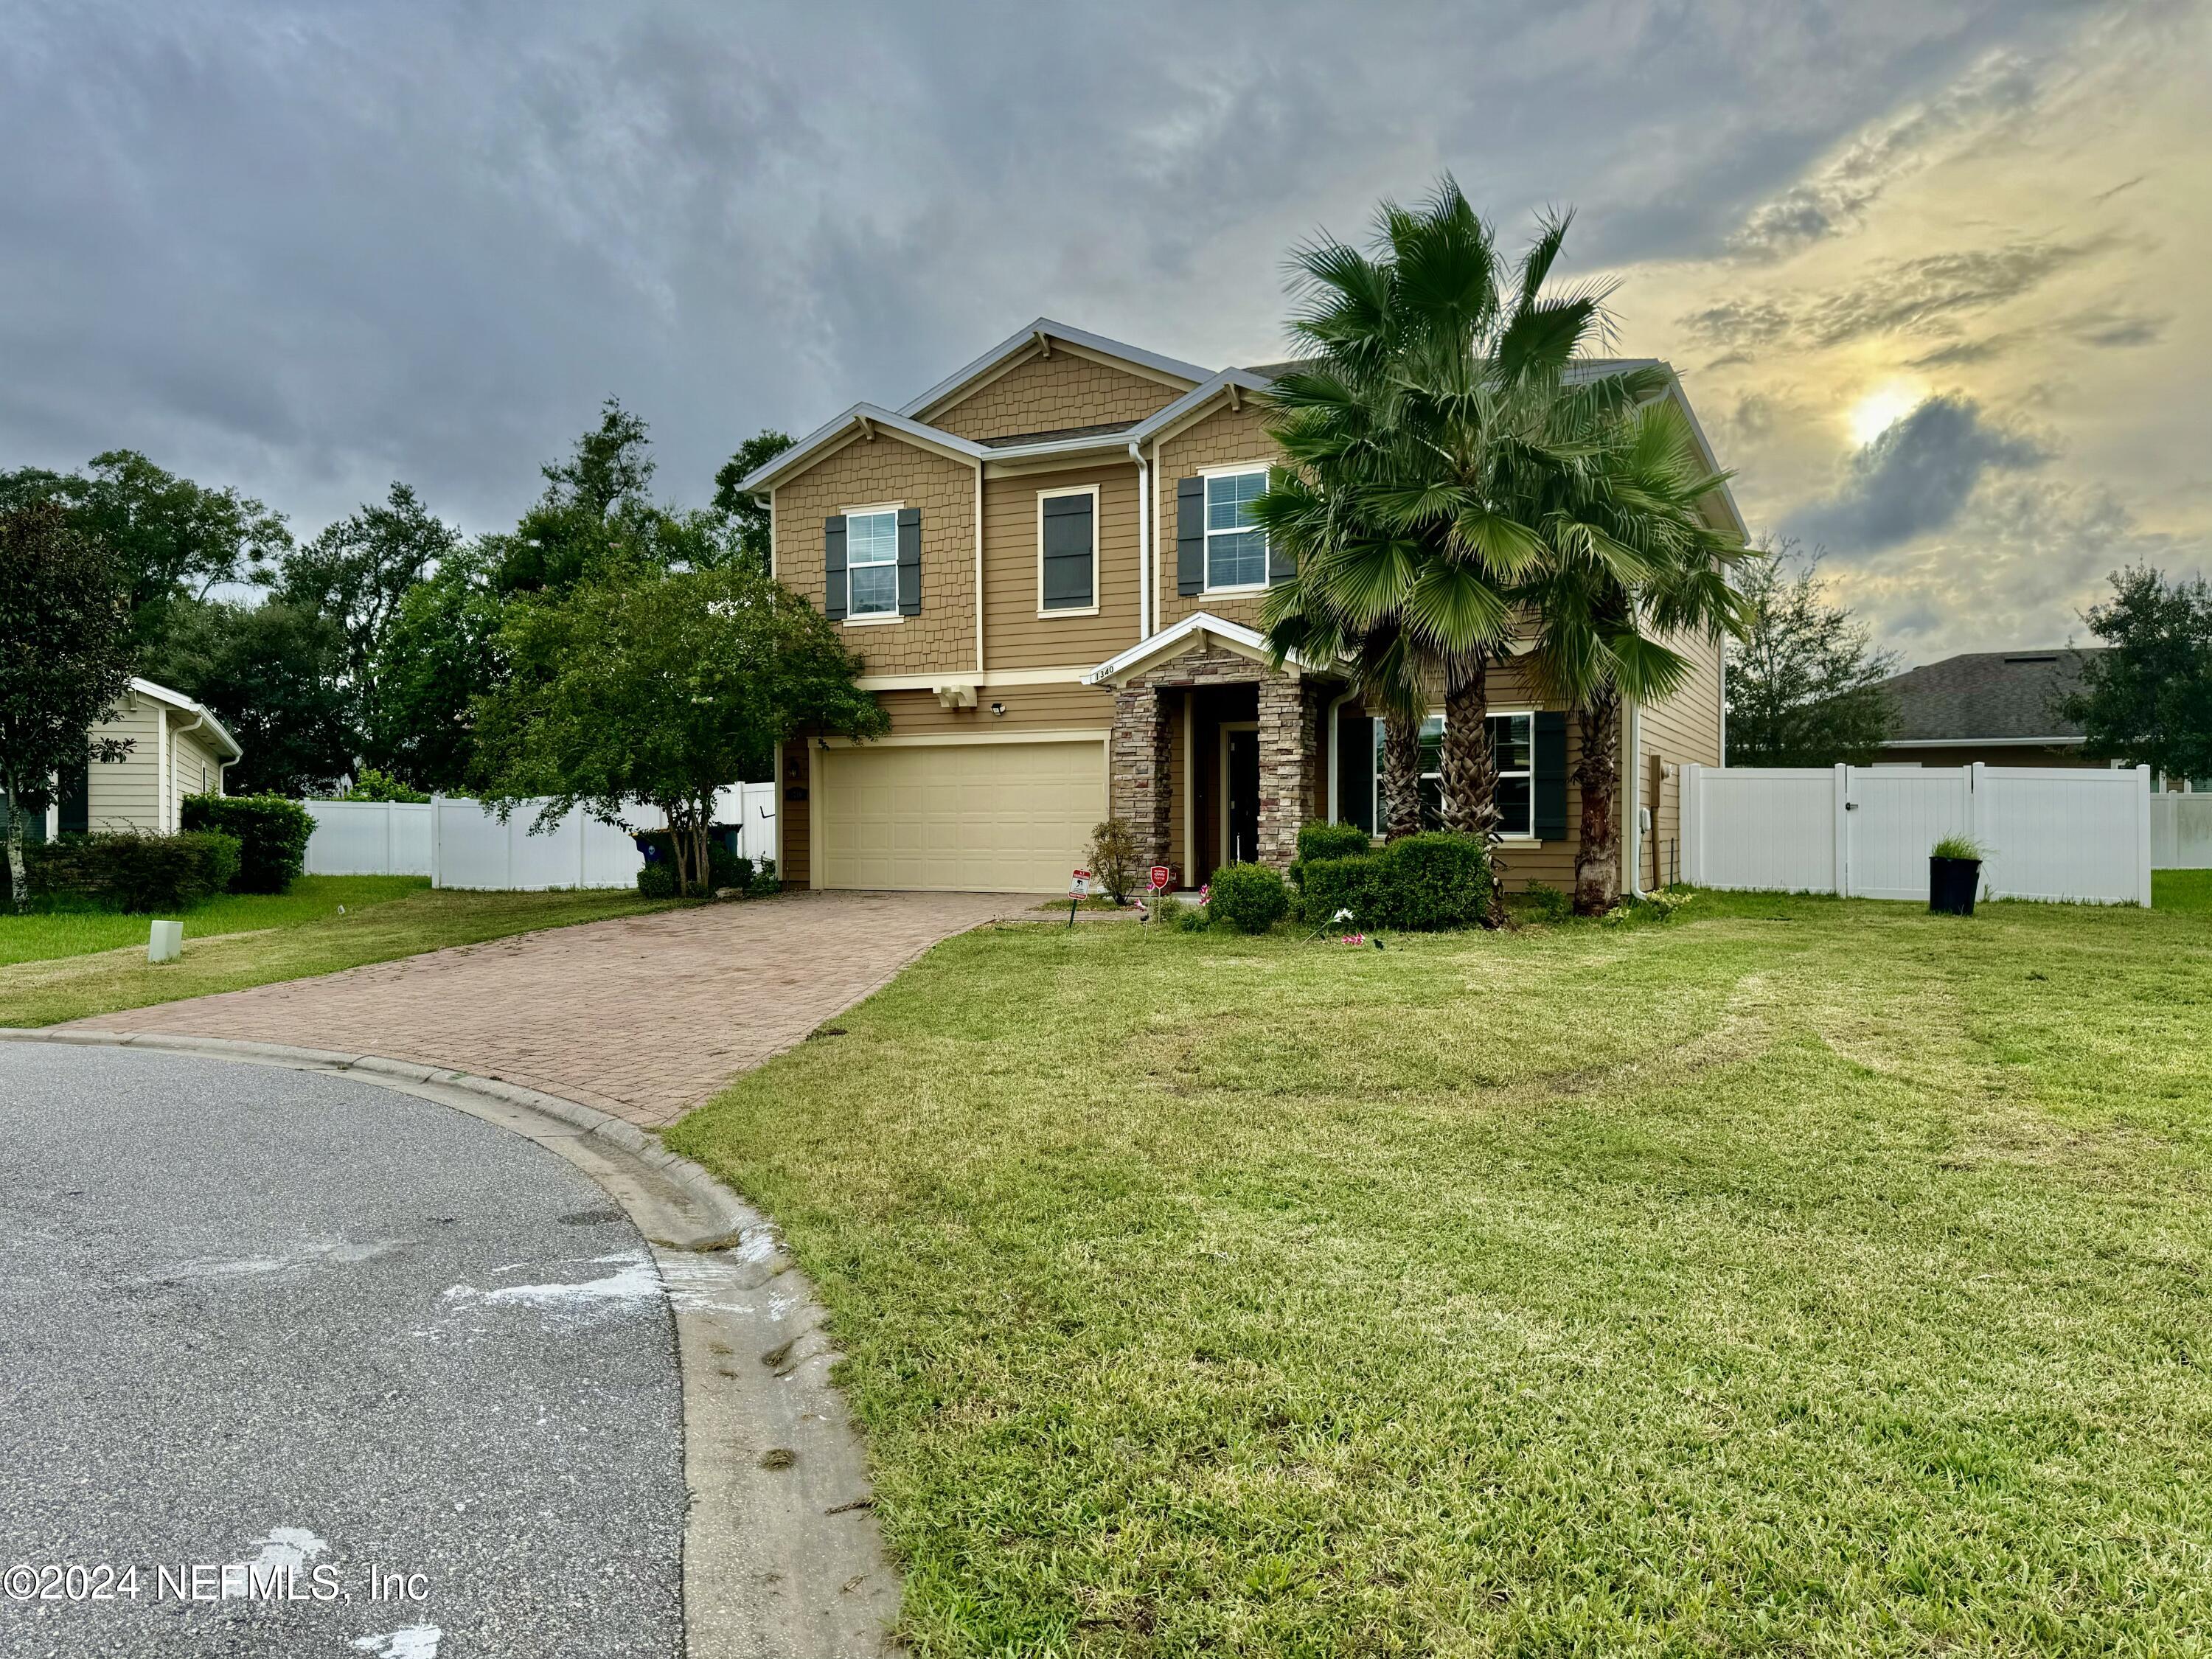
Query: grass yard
[[1802, 1276], [72, 965]]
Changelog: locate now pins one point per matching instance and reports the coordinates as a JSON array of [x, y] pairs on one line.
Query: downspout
[[1144, 572], [979, 573], [1631, 842]]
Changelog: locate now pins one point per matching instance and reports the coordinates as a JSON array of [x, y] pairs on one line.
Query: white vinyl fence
[[2067, 834], [460, 843], [2181, 832]]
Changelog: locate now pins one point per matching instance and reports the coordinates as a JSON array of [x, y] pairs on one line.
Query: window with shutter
[[1067, 551], [871, 548], [1513, 747], [1236, 547]]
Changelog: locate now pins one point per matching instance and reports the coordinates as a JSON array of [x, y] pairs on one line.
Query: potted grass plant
[[1954, 875]]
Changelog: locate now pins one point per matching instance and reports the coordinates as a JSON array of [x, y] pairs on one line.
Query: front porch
[[1215, 757]]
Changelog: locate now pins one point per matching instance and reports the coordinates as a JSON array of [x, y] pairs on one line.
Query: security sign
[[1161, 876], [1078, 885]]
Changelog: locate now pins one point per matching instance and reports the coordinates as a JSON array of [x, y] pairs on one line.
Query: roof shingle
[[1988, 694]]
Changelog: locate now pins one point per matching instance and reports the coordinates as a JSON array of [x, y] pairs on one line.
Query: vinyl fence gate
[[2076, 834]]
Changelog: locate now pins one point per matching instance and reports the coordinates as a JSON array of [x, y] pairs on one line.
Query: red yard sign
[[1161, 876]]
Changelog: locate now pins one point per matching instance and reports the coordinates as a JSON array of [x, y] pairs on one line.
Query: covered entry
[[1008, 816]]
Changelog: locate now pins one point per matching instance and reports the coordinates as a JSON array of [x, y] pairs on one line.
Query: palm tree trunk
[[1401, 774], [1597, 855], [1470, 768]]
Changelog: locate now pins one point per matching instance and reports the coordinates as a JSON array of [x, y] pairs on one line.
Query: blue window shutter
[[1190, 535], [833, 568], [909, 562], [1548, 762]]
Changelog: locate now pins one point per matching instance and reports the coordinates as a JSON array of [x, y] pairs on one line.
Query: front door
[[1240, 794]]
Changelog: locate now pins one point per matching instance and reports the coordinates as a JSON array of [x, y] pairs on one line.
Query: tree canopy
[[1804, 682], [2146, 699], [65, 620], [662, 688]]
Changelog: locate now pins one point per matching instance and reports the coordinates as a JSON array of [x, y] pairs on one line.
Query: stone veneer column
[[1138, 777], [1286, 746]]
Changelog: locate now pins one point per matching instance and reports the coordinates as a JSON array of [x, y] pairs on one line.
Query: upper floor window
[[872, 562], [1235, 548], [1067, 551]]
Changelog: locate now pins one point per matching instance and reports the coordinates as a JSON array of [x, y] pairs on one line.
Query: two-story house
[[1048, 566]]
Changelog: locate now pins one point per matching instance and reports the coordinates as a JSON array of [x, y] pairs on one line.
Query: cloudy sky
[[1930, 268]]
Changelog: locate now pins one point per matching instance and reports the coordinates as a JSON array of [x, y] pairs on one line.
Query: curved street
[[334, 1369]]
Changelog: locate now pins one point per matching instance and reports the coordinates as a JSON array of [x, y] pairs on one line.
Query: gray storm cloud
[[1914, 478]]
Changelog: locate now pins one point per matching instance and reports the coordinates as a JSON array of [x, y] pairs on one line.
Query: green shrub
[[133, 870], [373, 784], [1330, 884], [1634, 908], [1332, 841], [1194, 920], [1169, 911], [1550, 904], [1431, 881], [272, 836], [766, 882], [1113, 858], [657, 880], [724, 867], [1249, 898]]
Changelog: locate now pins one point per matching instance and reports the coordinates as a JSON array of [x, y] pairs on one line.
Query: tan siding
[[1683, 730], [126, 794], [193, 763], [1050, 394], [1015, 636], [1032, 708], [885, 470], [1224, 437]]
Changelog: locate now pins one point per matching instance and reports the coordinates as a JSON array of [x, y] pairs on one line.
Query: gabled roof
[[1988, 696], [1022, 339], [179, 699], [1192, 631]]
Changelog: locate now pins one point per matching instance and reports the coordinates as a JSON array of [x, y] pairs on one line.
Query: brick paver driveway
[[644, 1017]]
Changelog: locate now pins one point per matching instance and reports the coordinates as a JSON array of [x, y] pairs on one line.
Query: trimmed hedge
[[1249, 898], [1332, 841], [1421, 883], [272, 834], [134, 871]]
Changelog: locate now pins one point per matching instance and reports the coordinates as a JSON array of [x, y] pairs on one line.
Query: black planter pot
[[1952, 884]]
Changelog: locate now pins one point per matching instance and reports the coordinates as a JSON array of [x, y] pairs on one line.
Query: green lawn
[[68, 966], [1803, 1276]]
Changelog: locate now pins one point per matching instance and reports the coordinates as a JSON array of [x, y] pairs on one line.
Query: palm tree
[[1633, 562], [1418, 433]]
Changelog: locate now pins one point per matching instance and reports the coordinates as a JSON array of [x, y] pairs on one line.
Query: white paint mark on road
[[633, 1280], [284, 1553], [415, 1642], [309, 1252]]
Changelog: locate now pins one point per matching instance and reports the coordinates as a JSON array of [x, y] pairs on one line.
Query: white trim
[[1193, 406], [996, 677], [1333, 715], [1144, 542], [872, 510], [162, 694], [1043, 496], [1631, 840], [979, 568], [961, 740], [771, 548], [1528, 837], [1024, 337], [1233, 469], [1245, 642], [2076, 741]]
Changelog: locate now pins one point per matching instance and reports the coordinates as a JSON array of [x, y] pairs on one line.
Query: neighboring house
[[2000, 707], [178, 748], [1047, 564]]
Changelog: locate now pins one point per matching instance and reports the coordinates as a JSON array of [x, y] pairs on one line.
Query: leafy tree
[[662, 689], [357, 572], [439, 655], [1805, 684], [173, 538], [273, 673], [65, 650], [594, 518], [2146, 699], [749, 516], [374, 786]]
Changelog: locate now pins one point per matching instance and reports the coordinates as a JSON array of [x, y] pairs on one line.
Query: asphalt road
[[275, 1320]]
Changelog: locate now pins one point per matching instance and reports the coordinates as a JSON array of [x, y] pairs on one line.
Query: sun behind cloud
[[1883, 408]]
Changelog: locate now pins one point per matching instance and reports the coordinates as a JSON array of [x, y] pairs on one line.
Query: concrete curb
[[782, 1553]]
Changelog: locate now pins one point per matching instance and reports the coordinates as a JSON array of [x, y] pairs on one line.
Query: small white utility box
[[167, 943]]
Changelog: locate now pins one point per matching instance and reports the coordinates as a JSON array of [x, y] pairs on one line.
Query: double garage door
[[980, 818]]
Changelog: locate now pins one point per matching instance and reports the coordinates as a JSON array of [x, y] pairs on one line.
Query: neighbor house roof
[[1985, 697], [214, 727]]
